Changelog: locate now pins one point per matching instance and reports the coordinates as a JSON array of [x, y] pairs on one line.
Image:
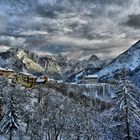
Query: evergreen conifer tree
[[126, 110], [10, 121]]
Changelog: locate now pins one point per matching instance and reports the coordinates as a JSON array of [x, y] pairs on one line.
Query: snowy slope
[[129, 60], [29, 63]]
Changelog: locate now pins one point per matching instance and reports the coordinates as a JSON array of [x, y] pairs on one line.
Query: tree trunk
[[27, 127], [126, 119], [57, 132], [56, 138], [48, 137], [10, 135], [78, 137], [78, 133], [127, 125]]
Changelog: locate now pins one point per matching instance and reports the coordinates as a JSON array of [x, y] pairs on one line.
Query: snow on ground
[[3, 138], [14, 138]]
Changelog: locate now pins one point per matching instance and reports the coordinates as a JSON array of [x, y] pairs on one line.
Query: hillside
[[130, 60]]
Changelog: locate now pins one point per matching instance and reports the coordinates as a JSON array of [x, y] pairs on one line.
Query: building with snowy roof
[[90, 79], [8, 73], [26, 79], [41, 78]]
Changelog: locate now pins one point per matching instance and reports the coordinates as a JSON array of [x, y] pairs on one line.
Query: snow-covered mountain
[[130, 60], [24, 60], [57, 67], [86, 66]]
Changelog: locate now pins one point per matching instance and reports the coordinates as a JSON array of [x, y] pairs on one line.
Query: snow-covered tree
[[126, 109], [10, 121]]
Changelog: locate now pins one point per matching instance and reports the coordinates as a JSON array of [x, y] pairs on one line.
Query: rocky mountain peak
[[19, 59], [93, 58]]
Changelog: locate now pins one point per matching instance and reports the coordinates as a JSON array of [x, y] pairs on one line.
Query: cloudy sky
[[77, 28]]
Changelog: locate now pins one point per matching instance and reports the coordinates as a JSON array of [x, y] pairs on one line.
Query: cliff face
[[24, 60]]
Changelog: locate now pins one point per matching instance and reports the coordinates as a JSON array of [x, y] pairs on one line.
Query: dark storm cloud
[[133, 21], [2, 23], [63, 26]]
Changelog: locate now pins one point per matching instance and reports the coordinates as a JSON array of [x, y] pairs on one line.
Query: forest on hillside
[[45, 114]]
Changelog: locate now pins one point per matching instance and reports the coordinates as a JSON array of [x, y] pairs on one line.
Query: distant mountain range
[[56, 67], [62, 67]]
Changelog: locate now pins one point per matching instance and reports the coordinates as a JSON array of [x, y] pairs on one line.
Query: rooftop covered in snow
[[25, 73], [6, 69], [91, 76]]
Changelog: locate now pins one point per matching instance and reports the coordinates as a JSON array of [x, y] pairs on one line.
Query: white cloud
[[4, 48]]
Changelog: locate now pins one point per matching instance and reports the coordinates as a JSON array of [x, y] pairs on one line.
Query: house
[[8, 73], [84, 75], [26, 79], [90, 79], [30, 80], [41, 78]]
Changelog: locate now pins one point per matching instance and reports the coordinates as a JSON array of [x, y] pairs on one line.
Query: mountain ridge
[[130, 60], [24, 60]]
